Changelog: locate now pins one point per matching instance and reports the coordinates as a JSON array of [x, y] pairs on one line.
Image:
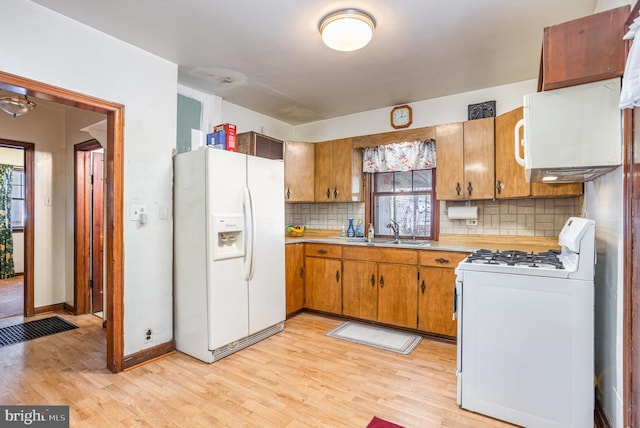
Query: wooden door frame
[[114, 171], [81, 237], [29, 265]]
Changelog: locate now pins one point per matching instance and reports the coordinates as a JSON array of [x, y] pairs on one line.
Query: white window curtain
[[405, 156]]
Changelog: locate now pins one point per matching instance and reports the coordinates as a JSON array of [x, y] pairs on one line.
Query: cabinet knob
[[322, 251], [328, 193], [381, 281], [499, 186], [458, 188], [335, 192], [301, 272], [337, 276], [423, 286], [469, 188], [373, 280], [288, 193], [441, 260]]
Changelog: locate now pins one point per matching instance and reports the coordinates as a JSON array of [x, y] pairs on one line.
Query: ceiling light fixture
[[347, 30], [16, 106]]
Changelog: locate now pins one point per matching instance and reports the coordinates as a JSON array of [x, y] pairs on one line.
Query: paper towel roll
[[462, 212]]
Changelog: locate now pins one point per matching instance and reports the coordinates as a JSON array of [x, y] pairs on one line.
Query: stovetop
[[544, 260]]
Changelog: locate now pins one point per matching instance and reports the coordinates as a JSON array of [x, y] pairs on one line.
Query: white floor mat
[[377, 337]]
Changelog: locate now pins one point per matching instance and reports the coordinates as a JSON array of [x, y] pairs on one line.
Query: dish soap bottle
[[370, 232], [350, 231], [359, 231]]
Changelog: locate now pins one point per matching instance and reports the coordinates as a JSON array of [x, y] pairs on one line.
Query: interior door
[[97, 234]]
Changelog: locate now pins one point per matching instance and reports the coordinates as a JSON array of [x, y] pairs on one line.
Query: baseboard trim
[[58, 307], [600, 417], [150, 354], [69, 308]]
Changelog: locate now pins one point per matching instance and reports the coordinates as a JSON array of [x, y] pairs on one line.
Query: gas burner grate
[[517, 258]]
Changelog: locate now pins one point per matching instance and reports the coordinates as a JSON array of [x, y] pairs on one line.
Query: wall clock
[[401, 116]]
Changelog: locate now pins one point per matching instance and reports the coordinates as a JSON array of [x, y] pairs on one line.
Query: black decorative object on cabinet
[[482, 110]]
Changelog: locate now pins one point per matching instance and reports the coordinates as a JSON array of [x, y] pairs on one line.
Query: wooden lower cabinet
[[437, 281], [380, 284], [397, 295], [294, 273], [360, 289], [323, 277]]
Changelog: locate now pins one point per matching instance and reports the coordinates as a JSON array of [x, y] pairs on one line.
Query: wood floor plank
[[296, 378]]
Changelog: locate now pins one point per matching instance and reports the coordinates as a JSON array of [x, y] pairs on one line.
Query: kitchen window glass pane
[[422, 180], [409, 202], [403, 181], [384, 182]]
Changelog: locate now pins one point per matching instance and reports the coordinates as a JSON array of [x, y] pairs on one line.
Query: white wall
[[436, 111], [215, 111], [62, 52]]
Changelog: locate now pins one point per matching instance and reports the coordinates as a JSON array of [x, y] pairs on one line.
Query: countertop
[[462, 243]]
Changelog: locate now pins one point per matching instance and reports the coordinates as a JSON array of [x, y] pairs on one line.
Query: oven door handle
[[455, 303]]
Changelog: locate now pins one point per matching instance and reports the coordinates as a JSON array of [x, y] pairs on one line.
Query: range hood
[[572, 134]]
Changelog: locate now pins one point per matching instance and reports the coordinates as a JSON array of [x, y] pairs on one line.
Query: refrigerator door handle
[[247, 208]]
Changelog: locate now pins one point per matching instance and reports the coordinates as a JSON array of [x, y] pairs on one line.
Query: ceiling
[[267, 56]]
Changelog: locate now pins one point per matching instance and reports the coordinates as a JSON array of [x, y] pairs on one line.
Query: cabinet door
[[299, 167], [359, 289], [450, 158], [397, 295], [323, 285], [479, 158], [323, 172], [294, 264], [585, 49], [510, 180], [435, 301], [341, 169]]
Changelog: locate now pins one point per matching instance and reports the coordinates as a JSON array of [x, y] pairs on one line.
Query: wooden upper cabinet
[[510, 179], [338, 172], [465, 160], [584, 50], [450, 161], [299, 167], [479, 161]]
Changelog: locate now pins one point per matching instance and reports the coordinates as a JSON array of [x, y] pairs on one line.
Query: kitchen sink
[[409, 242], [373, 241]]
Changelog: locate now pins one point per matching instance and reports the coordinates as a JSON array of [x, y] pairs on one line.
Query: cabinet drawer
[[441, 258], [386, 255], [323, 250]]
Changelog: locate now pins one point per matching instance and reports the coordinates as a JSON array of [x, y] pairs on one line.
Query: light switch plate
[[136, 210]]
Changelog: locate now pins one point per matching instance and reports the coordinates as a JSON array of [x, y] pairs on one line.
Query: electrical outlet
[[148, 336], [472, 222]]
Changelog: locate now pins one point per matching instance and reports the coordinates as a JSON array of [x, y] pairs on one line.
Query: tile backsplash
[[523, 217]]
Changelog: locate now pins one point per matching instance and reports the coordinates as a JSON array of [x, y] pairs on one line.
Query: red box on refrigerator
[[230, 130]]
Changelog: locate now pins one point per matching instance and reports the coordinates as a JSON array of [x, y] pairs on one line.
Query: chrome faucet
[[396, 229]]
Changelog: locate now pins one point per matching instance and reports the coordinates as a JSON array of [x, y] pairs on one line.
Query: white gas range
[[526, 332]]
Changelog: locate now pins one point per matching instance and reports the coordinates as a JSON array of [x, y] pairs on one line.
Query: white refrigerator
[[229, 278]]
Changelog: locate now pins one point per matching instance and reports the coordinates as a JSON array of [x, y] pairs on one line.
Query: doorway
[[114, 185], [88, 224]]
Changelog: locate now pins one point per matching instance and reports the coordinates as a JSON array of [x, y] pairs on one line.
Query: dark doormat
[[33, 330]]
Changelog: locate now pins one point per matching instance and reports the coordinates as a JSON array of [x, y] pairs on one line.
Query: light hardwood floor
[[297, 378]]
